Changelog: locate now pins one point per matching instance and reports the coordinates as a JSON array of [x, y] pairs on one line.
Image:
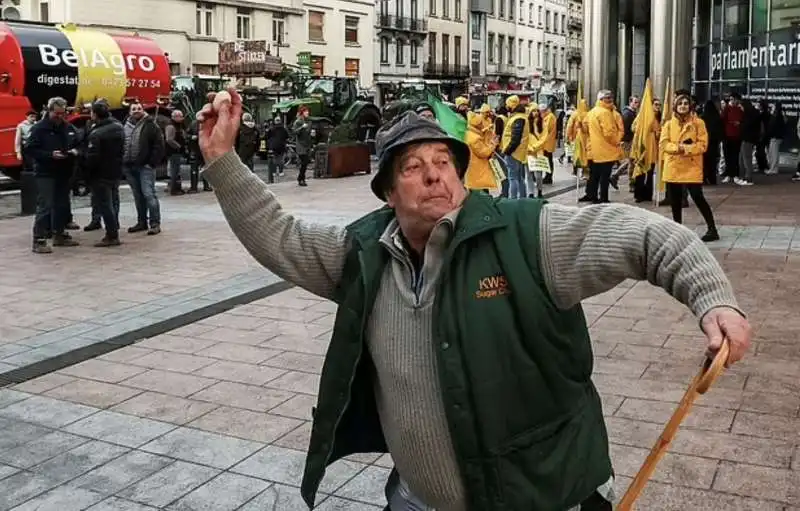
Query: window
[[458, 10], [541, 19], [563, 23], [445, 8], [476, 63], [317, 65], [530, 14], [351, 67], [204, 19], [547, 21], [785, 14], [399, 56], [243, 19], [546, 59], [445, 49], [414, 50], [278, 28], [384, 50], [490, 47], [530, 53], [511, 50], [457, 50], [521, 11], [512, 10], [501, 44], [737, 18], [475, 25], [44, 12], [520, 60], [539, 55], [502, 13], [316, 26], [432, 47], [384, 8], [351, 29], [492, 9], [414, 10], [398, 9], [432, 7]]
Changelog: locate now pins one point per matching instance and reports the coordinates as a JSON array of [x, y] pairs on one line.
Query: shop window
[[785, 14], [736, 18]]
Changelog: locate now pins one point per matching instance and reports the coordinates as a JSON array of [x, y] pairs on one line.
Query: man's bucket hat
[[407, 129]]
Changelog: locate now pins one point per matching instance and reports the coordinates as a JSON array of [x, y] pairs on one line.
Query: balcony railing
[[574, 53], [391, 22], [445, 70], [575, 22], [506, 69]]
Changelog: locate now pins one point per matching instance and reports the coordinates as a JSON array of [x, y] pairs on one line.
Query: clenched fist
[[219, 125]]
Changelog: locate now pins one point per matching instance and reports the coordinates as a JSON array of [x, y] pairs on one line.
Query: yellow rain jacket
[[686, 166], [480, 139], [537, 139], [550, 131], [604, 126], [521, 152], [575, 121]]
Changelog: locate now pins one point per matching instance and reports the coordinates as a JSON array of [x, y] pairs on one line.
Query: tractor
[[405, 95], [334, 106]]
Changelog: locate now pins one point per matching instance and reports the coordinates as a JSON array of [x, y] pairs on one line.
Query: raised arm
[[587, 251], [307, 254]]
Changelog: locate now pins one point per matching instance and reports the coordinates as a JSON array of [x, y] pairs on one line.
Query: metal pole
[[601, 49], [660, 46], [624, 62]]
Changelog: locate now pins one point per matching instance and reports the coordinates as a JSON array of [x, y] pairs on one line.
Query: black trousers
[[761, 156], [105, 197], [599, 181], [548, 178], [301, 174], [676, 191], [731, 150], [710, 163], [643, 186]]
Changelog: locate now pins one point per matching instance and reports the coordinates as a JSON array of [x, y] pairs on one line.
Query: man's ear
[[390, 199]]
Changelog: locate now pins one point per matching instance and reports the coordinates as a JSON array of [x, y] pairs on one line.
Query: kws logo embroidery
[[492, 287]]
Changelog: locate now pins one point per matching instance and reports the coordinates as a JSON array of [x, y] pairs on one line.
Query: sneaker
[[92, 226], [156, 229], [108, 242], [711, 235], [614, 182], [281, 173], [726, 180], [586, 198], [137, 228], [302, 183], [40, 246], [796, 176], [743, 182], [72, 226], [64, 240]]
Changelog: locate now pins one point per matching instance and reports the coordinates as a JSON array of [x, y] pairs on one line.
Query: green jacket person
[[459, 345]]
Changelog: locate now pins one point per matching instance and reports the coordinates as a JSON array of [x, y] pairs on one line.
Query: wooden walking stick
[[709, 372]]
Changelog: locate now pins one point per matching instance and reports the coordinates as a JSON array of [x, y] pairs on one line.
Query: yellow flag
[[644, 146], [666, 115], [579, 147]]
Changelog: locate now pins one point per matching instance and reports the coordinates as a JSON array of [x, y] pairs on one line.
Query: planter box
[[347, 159]]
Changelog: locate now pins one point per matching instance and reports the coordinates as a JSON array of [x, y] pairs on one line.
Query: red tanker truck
[[40, 61]]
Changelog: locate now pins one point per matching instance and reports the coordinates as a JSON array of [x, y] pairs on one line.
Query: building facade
[[574, 42], [402, 30], [448, 44], [339, 34]]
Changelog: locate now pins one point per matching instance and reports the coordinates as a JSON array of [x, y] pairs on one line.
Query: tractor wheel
[[367, 124]]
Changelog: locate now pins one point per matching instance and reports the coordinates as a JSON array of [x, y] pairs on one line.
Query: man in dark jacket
[[175, 136], [277, 138], [302, 132], [629, 113], [144, 151], [195, 158], [105, 148], [247, 141], [732, 117], [52, 146]]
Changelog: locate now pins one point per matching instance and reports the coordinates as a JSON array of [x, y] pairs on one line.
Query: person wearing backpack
[[144, 151]]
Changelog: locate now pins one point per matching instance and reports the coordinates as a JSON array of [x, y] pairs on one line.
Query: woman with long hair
[[775, 133], [684, 140], [538, 163], [716, 134]]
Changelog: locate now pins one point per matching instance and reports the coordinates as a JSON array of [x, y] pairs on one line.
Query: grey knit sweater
[[584, 252]]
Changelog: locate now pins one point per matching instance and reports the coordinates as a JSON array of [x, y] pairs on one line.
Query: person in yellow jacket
[[462, 106], [538, 165], [514, 147], [550, 134], [576, 136], [604, 126], [684, 140], [482, 142], [643, 183]]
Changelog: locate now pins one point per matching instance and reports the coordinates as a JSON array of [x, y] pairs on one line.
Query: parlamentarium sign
[[778, 51]]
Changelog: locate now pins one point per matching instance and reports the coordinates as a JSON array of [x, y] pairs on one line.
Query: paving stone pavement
[[216, 414]]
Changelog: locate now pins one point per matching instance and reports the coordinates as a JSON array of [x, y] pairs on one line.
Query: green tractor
[[405, 95], [335, 109]]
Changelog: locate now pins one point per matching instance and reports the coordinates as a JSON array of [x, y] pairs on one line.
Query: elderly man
[[459, 345]]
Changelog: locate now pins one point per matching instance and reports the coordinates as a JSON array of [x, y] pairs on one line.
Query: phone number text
[[141, 83]]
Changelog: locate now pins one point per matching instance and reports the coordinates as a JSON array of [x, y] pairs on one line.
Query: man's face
[[657, 106], [31, 118], [57, 114], [177, 117], [304, 114], [426, 183], [734, 101], [635, 103], [427, 114], [683, 105], [137, 112], [608, 100]]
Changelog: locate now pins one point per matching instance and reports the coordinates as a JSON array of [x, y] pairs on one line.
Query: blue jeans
[[143, 187], [52, 207], [516, 178], [174, 165]]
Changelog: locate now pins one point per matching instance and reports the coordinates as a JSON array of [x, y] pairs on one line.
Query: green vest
[[525, 419]]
